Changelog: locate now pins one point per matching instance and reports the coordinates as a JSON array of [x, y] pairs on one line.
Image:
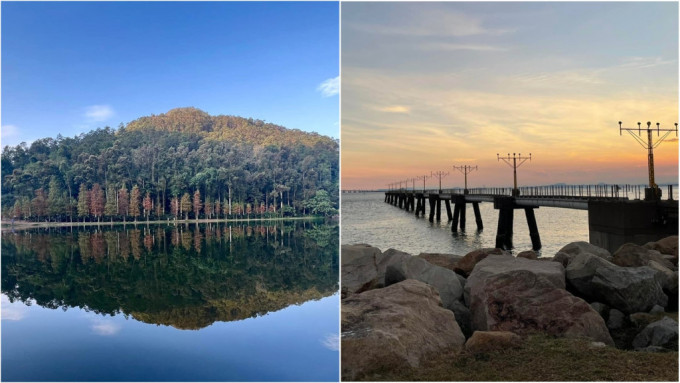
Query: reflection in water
[[186, 276]]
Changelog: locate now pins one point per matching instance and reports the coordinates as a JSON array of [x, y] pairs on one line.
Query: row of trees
[[96, 204], [181, 172]]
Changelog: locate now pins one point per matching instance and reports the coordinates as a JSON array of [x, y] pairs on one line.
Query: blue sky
[[70, 67]]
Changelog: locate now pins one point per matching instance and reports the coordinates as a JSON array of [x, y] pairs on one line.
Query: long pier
[[613, 219]]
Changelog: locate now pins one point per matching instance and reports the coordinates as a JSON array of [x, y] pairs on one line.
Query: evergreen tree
[[123, 202], [56, 203]]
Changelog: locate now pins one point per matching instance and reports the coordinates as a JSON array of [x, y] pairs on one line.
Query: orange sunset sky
[[426, 86]]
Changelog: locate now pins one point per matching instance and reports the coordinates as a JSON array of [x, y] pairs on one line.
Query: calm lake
[[227, 302]]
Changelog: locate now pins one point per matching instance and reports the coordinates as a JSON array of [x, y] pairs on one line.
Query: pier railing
[[563, 191]]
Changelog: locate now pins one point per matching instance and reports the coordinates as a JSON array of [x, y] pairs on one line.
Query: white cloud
[[330, 87], [8, 132], [105, 327], [331, 342], [16, 311], [99, 113]]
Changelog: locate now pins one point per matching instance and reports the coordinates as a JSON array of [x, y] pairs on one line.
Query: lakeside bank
[[23, 225]]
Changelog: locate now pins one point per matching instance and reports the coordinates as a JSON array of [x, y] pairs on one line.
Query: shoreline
[[24, 225]]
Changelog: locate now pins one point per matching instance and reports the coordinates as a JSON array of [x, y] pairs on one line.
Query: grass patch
[[543, 358]]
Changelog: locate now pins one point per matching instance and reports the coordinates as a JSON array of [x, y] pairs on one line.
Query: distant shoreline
[[23, 225]]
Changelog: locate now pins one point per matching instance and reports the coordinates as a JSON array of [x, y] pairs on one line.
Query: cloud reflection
[[12, 311], [105, 327], [331, 342]]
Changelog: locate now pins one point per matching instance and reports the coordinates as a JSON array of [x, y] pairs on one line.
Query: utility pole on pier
[[465, 169], [413, 182], [440, 174], [653, 193], [514, 165], [424, 177]]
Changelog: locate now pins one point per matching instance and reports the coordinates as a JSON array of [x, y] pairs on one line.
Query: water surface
[[164, 303]]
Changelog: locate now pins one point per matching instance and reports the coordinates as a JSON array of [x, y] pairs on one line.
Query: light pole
[[465, 169], [514, 165]]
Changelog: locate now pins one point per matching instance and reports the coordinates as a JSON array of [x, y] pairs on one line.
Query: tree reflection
[[186, 277]]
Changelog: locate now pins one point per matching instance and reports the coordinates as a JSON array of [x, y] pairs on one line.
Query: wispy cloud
[[330, 87], [448, 47], [99, 113], [331, 342], [429, 22], [644, 62], [394, 109], [8, 132], [105, 327]]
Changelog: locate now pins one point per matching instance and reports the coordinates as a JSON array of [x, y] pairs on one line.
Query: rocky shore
[[401, 310]]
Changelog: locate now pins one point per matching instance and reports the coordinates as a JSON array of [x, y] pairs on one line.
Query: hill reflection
[[187, 276]]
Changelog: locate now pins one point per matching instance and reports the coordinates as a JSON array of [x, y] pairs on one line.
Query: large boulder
[[359, 268], [581, 247], [467, 263], [632, 255], [444, 280], [395, 326], [496, 264], [486, 341], [662, 333], [668, 245], [629, 289], [447, 261], [524, 302]]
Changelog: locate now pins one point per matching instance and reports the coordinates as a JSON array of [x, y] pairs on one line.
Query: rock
[[632, 255], [359, 270], [597, 345], [629, 289], [524, 302], [653, 349], [641, 320], [444, 280], [529, 254], [656, 309], [486, 341], [601, 309], [463, 318], [663, 333], [562, 258], [468, 262], [496, 264], [668, 245], [395, 326], [447, 261], [576, 248], [616, 319]]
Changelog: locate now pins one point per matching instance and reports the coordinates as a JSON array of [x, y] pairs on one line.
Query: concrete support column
[[478, 216]]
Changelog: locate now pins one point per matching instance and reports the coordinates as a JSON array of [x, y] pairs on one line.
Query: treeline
[[184, 168]]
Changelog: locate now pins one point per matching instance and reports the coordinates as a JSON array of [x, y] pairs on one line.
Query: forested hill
[[229, 128], [184, 163]]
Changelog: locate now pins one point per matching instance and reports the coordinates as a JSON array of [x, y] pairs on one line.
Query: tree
[[321, 204], [134, 202], [208, 208], [185, 205], [97, 201], [197, 203], [147, 205], [39, 203], [110, 207], [56, 201], [83, 202], [123, 202], [174, 206]]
